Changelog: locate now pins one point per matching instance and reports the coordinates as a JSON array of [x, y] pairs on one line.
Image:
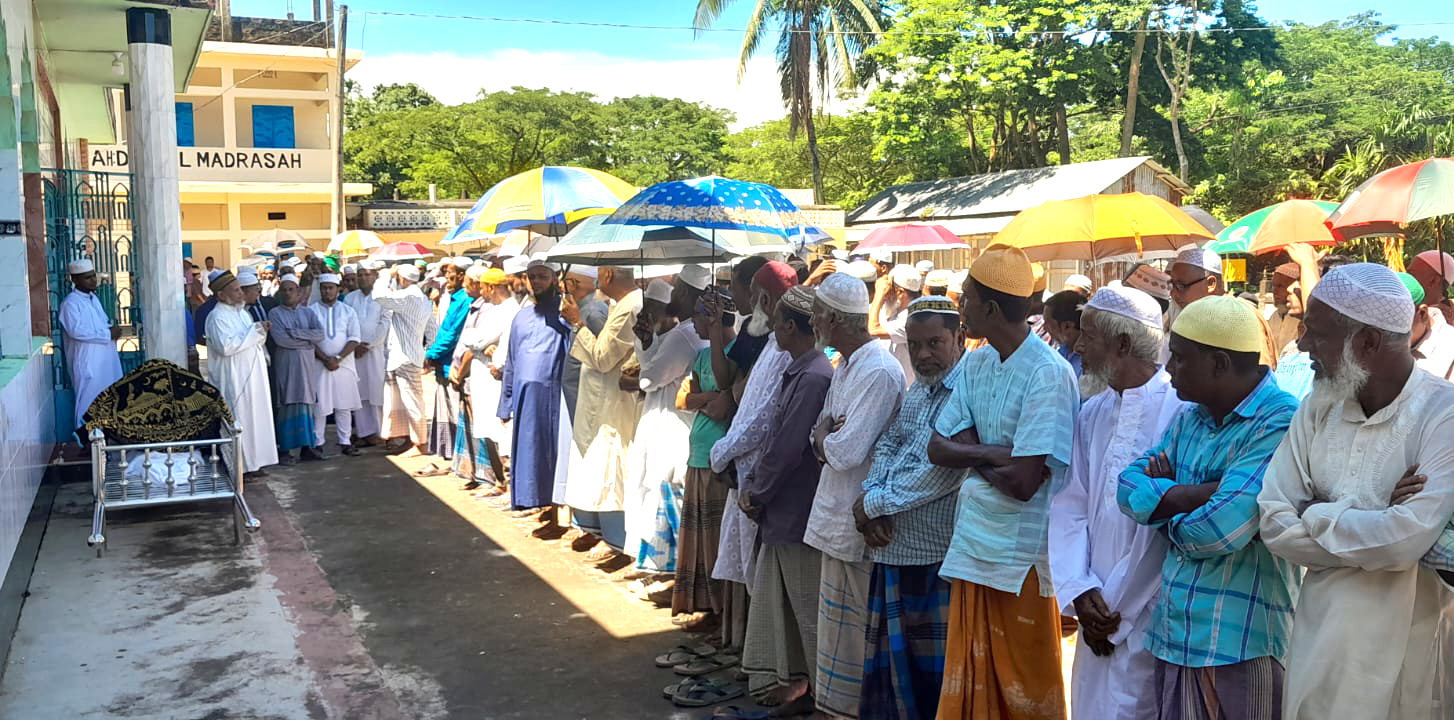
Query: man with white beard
[[1106, 568], [1359, 491]]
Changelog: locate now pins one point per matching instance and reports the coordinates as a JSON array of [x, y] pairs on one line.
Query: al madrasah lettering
[[204, 158]]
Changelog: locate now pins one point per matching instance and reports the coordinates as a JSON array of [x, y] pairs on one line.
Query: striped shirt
[[1224, 597], [919, 495], [411, 323], [1027, 403]]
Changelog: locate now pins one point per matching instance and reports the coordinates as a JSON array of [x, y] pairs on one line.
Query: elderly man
[[411, 325], [906, 516], [337, 372], [370, 354], [237, 365], [1195, 274], [1105, 567], [1224, 613], [295, 336], [257, 304], [778, 494], [606, 415], [438, 358], [539, 340], [1434, 271], [486, 340], [467, 448], [868, 387], [88, 339], [1358, 492], [1010, 421], [889, 312], [580, 284]]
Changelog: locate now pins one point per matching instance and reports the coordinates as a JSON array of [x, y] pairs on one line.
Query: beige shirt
[[606, 416]]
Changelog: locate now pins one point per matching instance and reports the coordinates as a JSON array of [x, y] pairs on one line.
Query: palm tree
[[819, 44]]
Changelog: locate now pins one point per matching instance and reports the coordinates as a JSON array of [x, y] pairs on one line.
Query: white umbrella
[[274, 237]]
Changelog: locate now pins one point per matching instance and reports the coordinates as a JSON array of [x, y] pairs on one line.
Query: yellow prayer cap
[[495, 276], [1040, 281], [1006, 269], [1221, 321]]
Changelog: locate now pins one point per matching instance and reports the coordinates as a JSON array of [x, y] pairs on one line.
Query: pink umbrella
[[911, 237], [400, 251]]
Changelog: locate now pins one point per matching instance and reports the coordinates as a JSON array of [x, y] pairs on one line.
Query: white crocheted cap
[[844, 293], [906, 277], [1368, 293], [658, 290], [80, 267], [1127, 302], [1199, 258], [696, 276]]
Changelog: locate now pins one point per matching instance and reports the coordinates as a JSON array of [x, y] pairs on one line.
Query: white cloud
[[455, 78]]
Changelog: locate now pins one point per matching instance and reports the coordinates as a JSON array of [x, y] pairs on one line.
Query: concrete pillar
[[156, 197]]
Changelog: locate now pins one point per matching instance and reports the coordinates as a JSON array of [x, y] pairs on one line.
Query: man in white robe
[[88, 339], [1358, 492], [237, 366], [411, 327], [486, 344], [1107, 568], [370, 355], [337, 379]]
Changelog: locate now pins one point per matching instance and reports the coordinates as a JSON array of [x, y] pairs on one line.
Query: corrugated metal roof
[[996, 194]]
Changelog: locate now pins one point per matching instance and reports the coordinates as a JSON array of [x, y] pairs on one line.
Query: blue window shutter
[[186, 132], [272, 126]]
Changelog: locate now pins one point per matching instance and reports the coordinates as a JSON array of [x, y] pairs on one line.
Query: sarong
[[442, 420], [404, 404], [1248, 690], [658, 553], [471, 456], [842, 627], [908, 607], [701, 530], [1002, 657], [782, 624], [294, 425]]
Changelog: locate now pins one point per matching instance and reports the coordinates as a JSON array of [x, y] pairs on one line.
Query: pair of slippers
[[696, 660], [701, 691]]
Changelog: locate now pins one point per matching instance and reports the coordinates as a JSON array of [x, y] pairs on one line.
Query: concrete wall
[[25, 440]]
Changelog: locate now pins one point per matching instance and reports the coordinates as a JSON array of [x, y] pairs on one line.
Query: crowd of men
[[886, 488]]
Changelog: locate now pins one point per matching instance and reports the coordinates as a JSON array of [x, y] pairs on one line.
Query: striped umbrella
[[1387, 202], [1274, 227], [546, 200]]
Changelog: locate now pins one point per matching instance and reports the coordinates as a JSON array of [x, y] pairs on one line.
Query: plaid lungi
[[782, 623], [295, 426], [471, 454], [441, 422], [907, 626], [404, 404], [703, 501], [658, 553], [1248, 690], [842, 622]]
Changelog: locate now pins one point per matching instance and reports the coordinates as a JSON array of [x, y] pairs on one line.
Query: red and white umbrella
[[400, 251], [911, 237], [1387, 202]]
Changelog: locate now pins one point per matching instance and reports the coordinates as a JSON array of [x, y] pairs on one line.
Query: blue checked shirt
[[1224, 598]]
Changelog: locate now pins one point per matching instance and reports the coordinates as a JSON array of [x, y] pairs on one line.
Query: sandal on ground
[[705, 665], [431, 470], [702, 694], [734, 712], [684, 654]]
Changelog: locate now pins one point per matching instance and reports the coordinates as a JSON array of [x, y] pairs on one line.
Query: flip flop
[[705, 665], [684, 654], [432, 470], [733, 712], [707, 693]]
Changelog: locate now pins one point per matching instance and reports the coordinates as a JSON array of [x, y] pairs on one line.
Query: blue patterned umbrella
[[717, 203]]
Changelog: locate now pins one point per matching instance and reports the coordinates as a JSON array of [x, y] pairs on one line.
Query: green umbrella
[[1237, 237]]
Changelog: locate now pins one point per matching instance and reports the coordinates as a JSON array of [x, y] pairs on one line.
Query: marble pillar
[[156, 211]]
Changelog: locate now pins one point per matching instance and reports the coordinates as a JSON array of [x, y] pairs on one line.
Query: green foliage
[[852, 170], [652, 139]]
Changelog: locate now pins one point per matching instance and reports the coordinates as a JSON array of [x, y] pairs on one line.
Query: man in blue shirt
[[437, 358], [1224, 615]]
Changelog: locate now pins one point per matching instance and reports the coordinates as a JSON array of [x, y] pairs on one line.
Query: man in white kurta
[[338, 379], [370, 354], [1106, 568], [237, 366], [411, 328], [485, 342], [88, 339], [606, 415], [1333, 500]]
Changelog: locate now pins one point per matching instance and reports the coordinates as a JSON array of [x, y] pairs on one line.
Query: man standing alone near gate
[[88, 338]]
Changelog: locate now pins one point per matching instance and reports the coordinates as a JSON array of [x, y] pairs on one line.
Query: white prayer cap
[[462, 262], [516, 264], [840, 255], [476, 272], [956, 281], [906, 277], [539, 260], [924, 266], [1367, 293], [881, 255], [1128, 302], [1079, 281], [371, 265], [937, 278], [696, 276], [863, 270], [292, 261], [350, 269], [212, 275], [585, 271], [844, 293], [246, 277], [1200, 258], [333, 278], [659, 290], [409, 272], [81, 266], [289, 278]]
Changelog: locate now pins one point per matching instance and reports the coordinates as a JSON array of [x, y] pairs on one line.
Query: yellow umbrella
[[1096, 228], [354, 242]]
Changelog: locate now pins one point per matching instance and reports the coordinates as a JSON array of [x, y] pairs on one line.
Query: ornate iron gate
[[88, 214]]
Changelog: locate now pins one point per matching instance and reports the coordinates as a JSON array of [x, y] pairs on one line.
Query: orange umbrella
[[1096, 228], [1293, 221]]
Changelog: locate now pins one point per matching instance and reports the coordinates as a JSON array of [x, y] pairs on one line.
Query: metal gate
[[88, 214]]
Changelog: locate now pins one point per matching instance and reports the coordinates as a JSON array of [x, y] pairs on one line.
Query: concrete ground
[[368, 593]]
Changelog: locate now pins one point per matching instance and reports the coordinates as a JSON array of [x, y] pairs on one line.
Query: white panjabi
[[1127, 302], [844, 293], [1200, 258], [1368, 293]]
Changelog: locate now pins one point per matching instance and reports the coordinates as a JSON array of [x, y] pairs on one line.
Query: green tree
[[819, 43], [853, 170], [652, 139]]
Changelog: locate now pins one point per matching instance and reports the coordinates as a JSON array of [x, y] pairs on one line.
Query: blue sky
[[454, 58]]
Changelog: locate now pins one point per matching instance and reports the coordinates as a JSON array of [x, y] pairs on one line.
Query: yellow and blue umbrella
[[718, 203], [546, 200]]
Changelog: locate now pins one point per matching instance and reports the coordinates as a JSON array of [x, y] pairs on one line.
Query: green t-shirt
[[705, 431]]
